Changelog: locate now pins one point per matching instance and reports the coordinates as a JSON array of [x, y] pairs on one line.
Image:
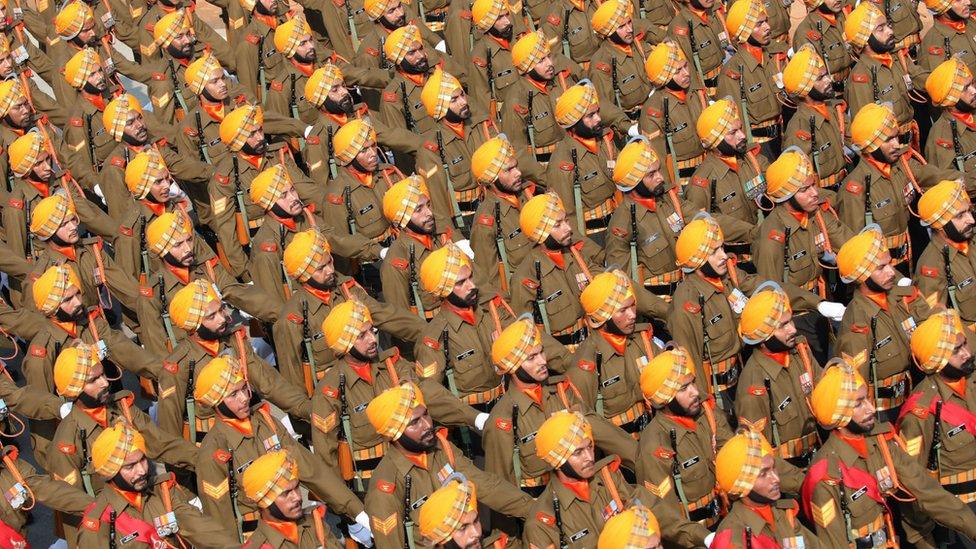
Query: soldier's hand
[[831, 310], [360, 530]]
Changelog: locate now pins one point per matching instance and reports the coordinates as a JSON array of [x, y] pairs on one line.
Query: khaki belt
[[893, 391], [484, 396], [597, 219], [833, 179], [797, 447]]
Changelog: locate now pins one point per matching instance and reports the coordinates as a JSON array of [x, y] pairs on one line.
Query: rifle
[[947, 48], [868, 214], [669, 142], [262, 78], [707, 344], [232, 492], [772, 411], [935, 449], [308, 357], [874, 84], [599, 383], [422, 10], [958, 158], [288, 288], [407, 519], [540, 301], [558, 514], [191, 403], [347, 465], [823, 53], [516, 446], [696, 59], [204, 147], [527, 16], [679, 486], [786, 254], [30, 237], [167, 323], [641, 10], [407, 113], [577, 194], [91, 142], [176, 86], [452, 385], [950, 280], [565, 38], [85, 462], [500, 244], [384, 62], [293, 104], [613, 82], [744, 102], [711, 196], [845, 509], [490, 74], [748, 537], [333, 172], [456, 209], [530, 124], [633, 243], [143, 253], [243, 224], [111, 529], [814, 149], [414, 289], [353, 32], [873, 362]]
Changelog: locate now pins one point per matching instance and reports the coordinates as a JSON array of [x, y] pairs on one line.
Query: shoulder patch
[[824, 514], [566, 166], [125, 231], [854, 187], [503, 424], [330, 392], [931, 272], [586, 365], [222, 179], [553, 19], [390, 97], [171, 366], [400, 263], [384, 526], [732, 74], [920, 411], [619, 231], [38, 351], [692, 308], [777, 236], [681, 31], [16, 204], [313, 140], [270, 247], [92, 524], [944, 143], [277, 86], [146, 291], [386, 487], [486, 220], [802, 135], [158, 76], [699, 182], [813, 35], [296, 318], [603, 67], [432, 343], [859, 329], [859, 78], [663, 453], [118, 162], [530, 284], [223, 456], [430, 146], [548, 520], [334, 199], [479, 61], [372, 51], [190, 131], [935, 50], [76, 122], [252, 38], [520, 109], [67, 449], [757, 391]]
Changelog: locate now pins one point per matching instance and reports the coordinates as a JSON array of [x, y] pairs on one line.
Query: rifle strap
[[241, 351], [580, 262], [446, 446], [390, 367], [612, 487], [11, 466]]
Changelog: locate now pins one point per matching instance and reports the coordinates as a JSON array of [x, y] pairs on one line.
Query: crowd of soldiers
[[553, 274]]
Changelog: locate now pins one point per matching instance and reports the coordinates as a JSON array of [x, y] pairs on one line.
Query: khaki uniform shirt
[[683, 111], [258, 37], [593, 171], [457, 153], [825, 134], [396, 270], [83, 159], [827, 38], [940, 147], [903, 17], [743, 73], [499, 50], [891, 85], [710, 38], [365, 201], [312, 532], [931, 276], [785, 530], [515, 113], [735, 189], [484, 237], [570, 21], [962, 43], [630, 81], [797, 260]]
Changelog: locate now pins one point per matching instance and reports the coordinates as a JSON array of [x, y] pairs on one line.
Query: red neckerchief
[[625, 48], [66, 251], [42, 188], [285, 528], [966, 118], [703, 14], [782, 357], [425, 240], [306, 68], [211, 346], [590, 144], [182, 273], [288, 222], [578, 4], [686, 422], [510, 198], [883, 58], [420, 460], [466, 314], [252, 159], [884, 169], [362, 369], [649, 203], [365, 179], [879, 298], [155, 207], [756, 52], [417, 79], [457, 128], [801, 217], [134, 498], [505, 44], [856, 442], [618, 342], [534, 392], [269, 20], [731, 161], [958, 26], [325, 296], [99, 415], [339, 119], [958, 386], [556, 257], [242, 426], [682, 95], [96, 100], [830, 18], [69, 327], [713, 282], [213, 110], [821, 108], [961, 247], [579, 487], [764, 511], [542, 86]]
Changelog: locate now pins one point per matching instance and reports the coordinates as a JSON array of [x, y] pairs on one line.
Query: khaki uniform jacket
[[258, 36], [396, 270], [932, 52], [372, 37], [515, 112], [458, 150], [498, 49], [391, 107], [891, 84], [826, 133], [50, 492], [683, 111], [593, 169], [578, 31], [582, 521], [310, 526], [940, 150], [786, 528], [86, 119], [365, 201], [736, 190], [797, 260], [903, 17], [484, 232], [827, 512], [386, 496], [137, 524], [711, 39], [29, 400], [226, 447], [287, 330], [630, 80], [827, 38], [280, 92], [931, 276], [743, 73]]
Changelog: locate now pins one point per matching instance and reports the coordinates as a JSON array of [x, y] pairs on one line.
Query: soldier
[[778, 377], [760, 516], [879, 319], [633, 527], [945, 268], [823, 30], [361, 373], [868, 455], [617, 68], [906, 25], [258, 62], [494, 29], [272, 481], [387, 16], [950, 35], [418, 457], [240, 435], [302, 357], [581, 166], [570, 512], [533, 395], [141, 505], [16, 117], [669, 114], [817, 128], [568, 22], [754, 76], [449, 517], [702, 37], [496, 238], [952, 139], [658, 212]]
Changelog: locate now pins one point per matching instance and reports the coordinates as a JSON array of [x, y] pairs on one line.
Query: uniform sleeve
[[64, 458], [395, 281], [167, 447], [273, 386], [265, 267], [29, 401], [385, 509], [498, 441], [396, 321], [213, 487], [201, 529], [828, 519], [326, 428], [686, 327], [22, 322], [612, 439], [254, 300], [767, 252], [446, 408], [324, 481], [288, 341], [123, 286], [501, 496], [130, 356], [654, 473], [15, 225], [55, 494], [223, 205], [917, 433], [650, 304]]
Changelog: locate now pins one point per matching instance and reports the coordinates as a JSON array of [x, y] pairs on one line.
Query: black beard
[[954, 16], [817, 95], [679, 410], [537, 77], [881, 157], [418, 230], [962, 106], [964, 370], [761, 500], [616, 39], [612, 328], [774, 345], [256, 150], [207, 334], [415, 68], [878, 47], [551, 244], [393, 25], [277, 514], [874, 287], [306, 59], [953, 234], [503, 34], [361, 357], [280, 212], [171, 260], [455, 118], [570, 472], [260, 8], [359, 167], [672, 85], [131, 140], [643, 191], [708, 270], [179, 53], [415, 446], [322, 285], [728, 150], [587, 132], [123, 484], [468, 301], [524, 377], [206, 95], [27, 122], [57, 240], [856, 428], [223, 410], [341, 107], [65, 317]]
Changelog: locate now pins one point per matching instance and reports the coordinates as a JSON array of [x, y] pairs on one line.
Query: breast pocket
[[884, 208], [629, 83], [657, 257], [784, 408]]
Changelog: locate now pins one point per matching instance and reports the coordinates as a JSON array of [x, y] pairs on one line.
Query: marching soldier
[[823, 30], [568, 22], [497, 28], [417, 461], [582, 492], [387, 16], [950, 35], [617, 68], [17, 116], [240, 435], [952, 139], [670, 113], [906, 25], [879, 320], [778, 377], [303, 357], [272, 482], [258, 61], [449, 518], [580, 168], [141, 506], [702, 37], [759, 516], [863, 453], [634, 527], [754, 76], [945, 268]]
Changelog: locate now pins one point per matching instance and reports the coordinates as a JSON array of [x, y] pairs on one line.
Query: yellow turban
[[834, 396], [201, 71], [116, 114], [861, 22], [630, 529], [529, 50], [165, 230], [610, 15], [947, 81], [716, 121], [305, 254], [351, 139], [437, 93], [664, 375], [144, 170], [81, 66], [399, 42], [763, 313], [238, 126], [873, 125], [514, 344], [170, 26], [663, 63], [538, 216], [861, 255], [605, 295], [938, 7], [290, 34], [4, 42], [376, 8], [742, 18], [934, 341], [269, 185], [441, 269], [268, 477], [72, 369], [248, 5], [402, 199], [491, 158], [803, 71], [24, 152], [574, 102], [189, 304], [320, 84], [442, 513], [214, 380], [560, 436], [112, 446], [391, 411], [941, 203], [788, 174], [49, 214], [738, 463], [344, 324], [633, 163], [484, 13], [73, 17], [11, 92], [50, 288], [698, 240]]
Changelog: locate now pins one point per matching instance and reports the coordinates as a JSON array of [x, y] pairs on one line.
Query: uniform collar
[[287, 529], [70, 327], [580, 488], [856, 442], [467, 314], [425, 240], [801, 217], [715, 283], [213, 110], [782, 358], [883, 58], [67, 251], [731, 161], [243, 426], [156, 208], [958, 386], [617, 342], [681, 95], [457, 128], [99, 415], [881, 167], [43, 188], [829, 18], [182, 273], [534, 392], [420, 460], [363, 370], [96, 101], [687, 422], [878, 298], [210, 346], [958, 26], [255, 160], [589, 144], [325, 296], [757, 52], [132, 498], [763, 511]]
